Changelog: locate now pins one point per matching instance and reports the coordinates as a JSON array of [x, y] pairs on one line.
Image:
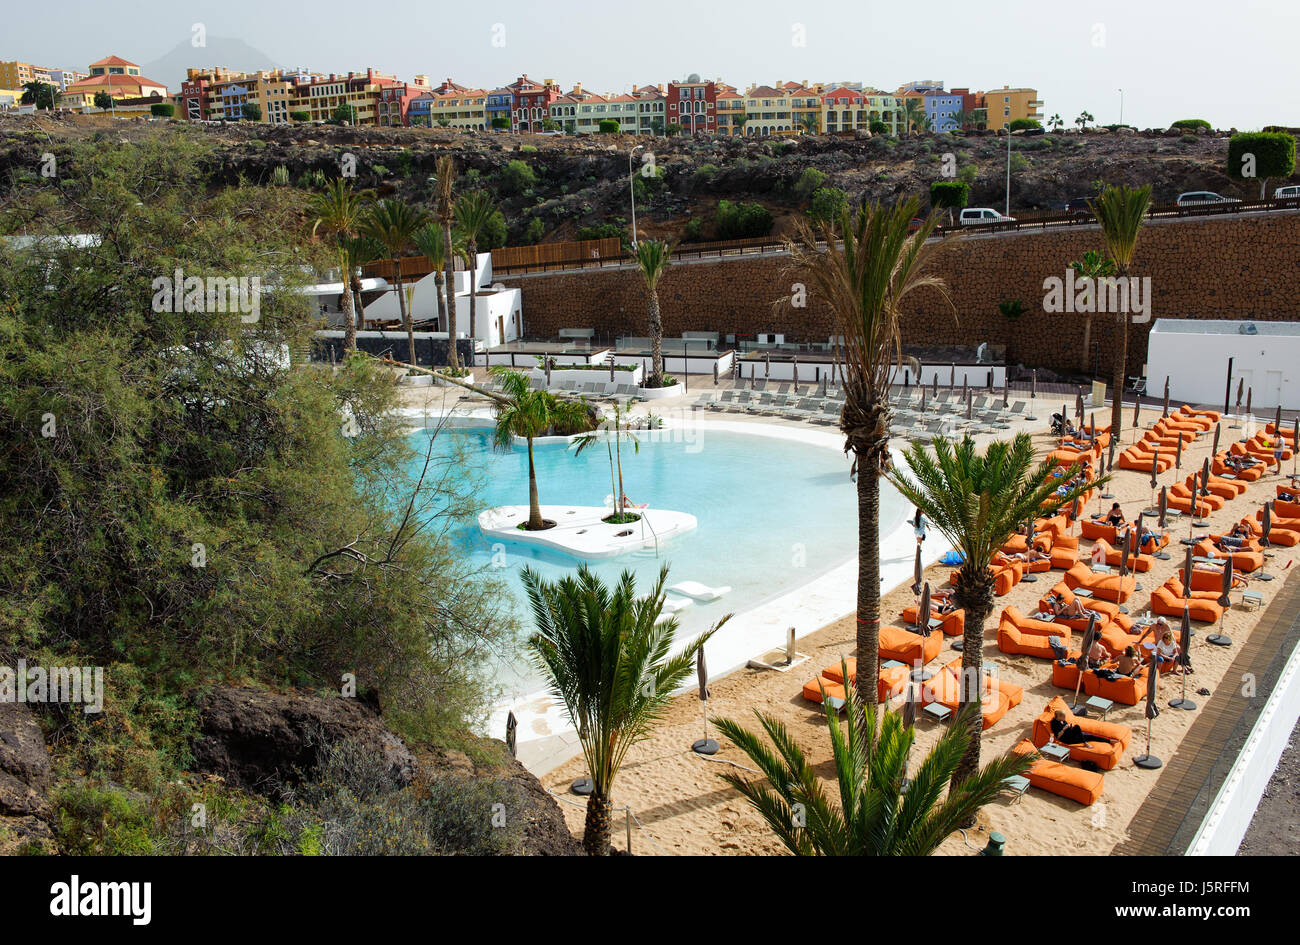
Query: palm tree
[[913, 114], [393, 223], [527, 413], [473, 213], [863, 276], [445, 210], [359, 250], [1085, 116], [428, 240], [652, 258], [1092, 267], [874, 816], [1121, 211], [614, 447], [605, 655], [977, 503], [338, 211], [1056, 122]]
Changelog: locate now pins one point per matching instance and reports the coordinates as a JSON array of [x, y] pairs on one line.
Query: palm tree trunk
[[440, 281], [1087, 343], [656, 341], [453, 356], [407, 322], [345, 306], [1117, 379], [976, 597], [357, 306], [473, 264], [596, 831], [868, 635], [534, 506]]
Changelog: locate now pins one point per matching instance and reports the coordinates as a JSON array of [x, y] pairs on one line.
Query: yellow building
[[459, 107], [1006, 104], [768, 111], [731, 111], [805, 106], [118, 77]]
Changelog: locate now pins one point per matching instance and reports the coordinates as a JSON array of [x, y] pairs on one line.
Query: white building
[[498, 310], [1194, 355]]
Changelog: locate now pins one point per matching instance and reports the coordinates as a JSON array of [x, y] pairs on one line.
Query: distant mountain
[[219, 51]]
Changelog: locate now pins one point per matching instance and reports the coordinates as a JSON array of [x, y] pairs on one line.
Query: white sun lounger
[[697, 591]]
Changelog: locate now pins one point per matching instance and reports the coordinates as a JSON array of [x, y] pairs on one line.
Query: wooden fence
[[543, 254]]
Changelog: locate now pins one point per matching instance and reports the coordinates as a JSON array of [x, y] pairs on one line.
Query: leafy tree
[[550, 124], [656, 126], [1024, 124], [978, 502], [653, 257], [1121, 211], [338, 212], [1092, 267], [673, 129], [606, 656], [864, 276], [103, 101], [880, 812], [808, 182], [445, 210], [501, 123], [394, 223], [534, 231], [949, 195], [162, 110], [741, 220], [40, 94], [517, 177], [251, 112], [300, 116], [344, 113], [474, 213], [827, 204], [878, 127], [1261, 154]]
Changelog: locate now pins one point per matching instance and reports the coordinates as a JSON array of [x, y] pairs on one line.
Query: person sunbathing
[[1287, 496], [1066, 732], [1097, 654], [1059, 608], [1115, 516], [1167, 651], [1029, 557], [1148, 537]]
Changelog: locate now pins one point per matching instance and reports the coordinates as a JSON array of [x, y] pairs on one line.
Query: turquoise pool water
[[773, 514]]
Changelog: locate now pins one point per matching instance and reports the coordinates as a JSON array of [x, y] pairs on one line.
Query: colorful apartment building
[[805, 106], [14, 75], [731, 110], [531, 109], [498, 104], [1006, 104], [693, 105], [947, 110], [455, 106], [845, 108], [394, 101]]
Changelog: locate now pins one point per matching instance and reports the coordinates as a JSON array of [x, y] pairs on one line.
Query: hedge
[[1274, 154], [949, 194]]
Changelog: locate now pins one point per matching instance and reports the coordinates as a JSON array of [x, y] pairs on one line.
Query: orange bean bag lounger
[[1109, 587], [1126, 690], [1212, 416], [1005, 577], [1032, 625], [1226, 489], [996, 697], [1140, 563], [1183, 503], [890, 681], [953, 623], [1168, 426], [1075, 784], [1037, 566], [1262, 444], [1141, 462], [1250, 474], [908, 647], [1104, 754], [1209, 501], [1016, 642], [1287, 537], [1249, 558], [1168, 602], [1107, 610]]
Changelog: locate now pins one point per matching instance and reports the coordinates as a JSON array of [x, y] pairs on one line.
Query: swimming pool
[[774, 513]]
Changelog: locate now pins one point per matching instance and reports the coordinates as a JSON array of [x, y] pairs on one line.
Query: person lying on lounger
[[1115, 516], [1034, 554], [1287, 496], [1068, 733], [1059, 608], [1149, 539]]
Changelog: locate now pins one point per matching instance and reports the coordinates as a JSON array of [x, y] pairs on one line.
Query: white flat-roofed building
[[1193, 354]]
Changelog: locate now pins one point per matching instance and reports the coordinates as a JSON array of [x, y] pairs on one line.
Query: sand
[[682, 806]]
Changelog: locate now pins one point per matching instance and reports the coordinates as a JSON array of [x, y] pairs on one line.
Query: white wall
[[507, 303], [1197, 367]]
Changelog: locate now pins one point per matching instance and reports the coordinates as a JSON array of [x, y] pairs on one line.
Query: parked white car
[[1195, 198], [1289, 192], [972, 215]]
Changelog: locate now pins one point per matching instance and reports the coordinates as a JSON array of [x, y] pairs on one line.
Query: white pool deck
[[580, 530], [544, 737]]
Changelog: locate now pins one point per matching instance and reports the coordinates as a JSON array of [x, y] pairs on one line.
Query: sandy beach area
[[681, 805]]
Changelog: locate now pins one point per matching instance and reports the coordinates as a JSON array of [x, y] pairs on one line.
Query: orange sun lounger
[[908, 647], [1104, 754], [1075, 784], [1109, 587], [1167, 601], [996, 698], [953, 623]]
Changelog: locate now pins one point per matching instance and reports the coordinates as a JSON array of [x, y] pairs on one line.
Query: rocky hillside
[[571, 182]]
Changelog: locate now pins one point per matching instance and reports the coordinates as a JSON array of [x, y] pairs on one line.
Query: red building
[[532, 103], [394, 103], [693, 105]]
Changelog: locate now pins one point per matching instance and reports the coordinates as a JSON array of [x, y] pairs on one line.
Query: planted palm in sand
[[875, 817], [978, 502], [608, 661]]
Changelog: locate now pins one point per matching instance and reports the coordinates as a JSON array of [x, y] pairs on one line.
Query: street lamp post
[[631, 189], [1121, 106], [1007, 211]]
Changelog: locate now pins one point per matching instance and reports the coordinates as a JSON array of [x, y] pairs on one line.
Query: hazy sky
[[1234, 64]]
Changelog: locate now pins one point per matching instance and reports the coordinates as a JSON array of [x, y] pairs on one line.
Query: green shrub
[[741, 220], [1024, 124], [501, 122], [949, 194], [251, 112], [300, 116], [608, 126], [809, 181], [516, 177], [528, 149], [691, 232], [344, 112], [534, 231], [162, 110], [1191, 123], [704, 173], [878, 128], [826, 204]]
